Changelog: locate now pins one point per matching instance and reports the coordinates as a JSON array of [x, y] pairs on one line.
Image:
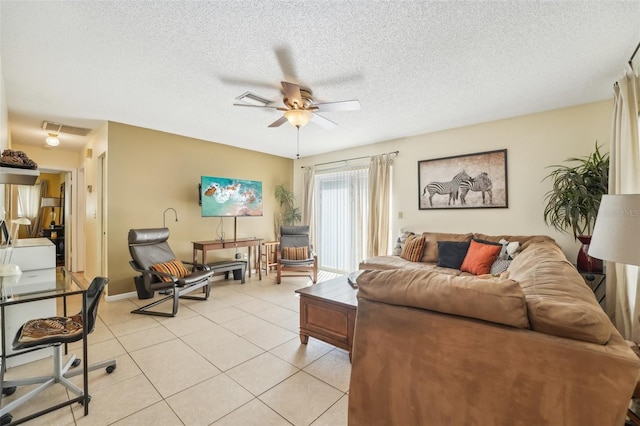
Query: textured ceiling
[[415, 66]]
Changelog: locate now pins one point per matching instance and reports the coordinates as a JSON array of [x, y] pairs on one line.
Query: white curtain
[[29, 198], [307, 213], [379, 205], [623, 295]]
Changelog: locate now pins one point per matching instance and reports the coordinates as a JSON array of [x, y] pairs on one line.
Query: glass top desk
[[23, 295]]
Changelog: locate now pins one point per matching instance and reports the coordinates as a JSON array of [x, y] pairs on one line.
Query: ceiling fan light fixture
[[298, 117], [52, 139]]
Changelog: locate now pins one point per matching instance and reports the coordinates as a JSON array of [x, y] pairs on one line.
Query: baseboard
[[121, 296]]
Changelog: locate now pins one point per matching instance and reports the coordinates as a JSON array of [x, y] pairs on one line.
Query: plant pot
[[585, 262]]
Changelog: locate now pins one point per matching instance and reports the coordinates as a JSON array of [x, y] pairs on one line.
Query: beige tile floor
[[235, 359]]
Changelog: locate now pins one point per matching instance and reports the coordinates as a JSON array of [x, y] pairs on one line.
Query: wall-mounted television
[[230, 197]]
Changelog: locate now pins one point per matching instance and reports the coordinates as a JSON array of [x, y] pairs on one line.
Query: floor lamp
[[617, 230], [615, 238]]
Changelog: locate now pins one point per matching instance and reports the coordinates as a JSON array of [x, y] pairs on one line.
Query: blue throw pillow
[[451, 254]]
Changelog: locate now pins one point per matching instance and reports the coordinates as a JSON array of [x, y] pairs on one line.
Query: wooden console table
[[250, 243]]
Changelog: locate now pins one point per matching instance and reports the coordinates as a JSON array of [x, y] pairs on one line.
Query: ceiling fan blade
[[292, 92], [323, 122], [279, 122], [285, 59], [353, 105], [260, 106]]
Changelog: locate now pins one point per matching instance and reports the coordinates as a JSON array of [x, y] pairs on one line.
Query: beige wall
[[533, 142], [51, 158], [150, 171]]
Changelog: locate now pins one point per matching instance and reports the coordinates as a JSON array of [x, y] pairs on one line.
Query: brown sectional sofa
[[434, 346]]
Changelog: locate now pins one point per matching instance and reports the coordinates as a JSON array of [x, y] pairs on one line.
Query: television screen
[[230, 197]]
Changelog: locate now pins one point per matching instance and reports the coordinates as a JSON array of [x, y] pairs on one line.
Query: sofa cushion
[[384, 263], [402, 238], [412, 250], [559, 302], [524, 240], [430, 253], [499, 266], [486, 298], [451, 254], [480, 257]]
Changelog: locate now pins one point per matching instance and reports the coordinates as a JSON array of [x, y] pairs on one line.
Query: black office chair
[[161, 270], [295, 254], [55, 331]]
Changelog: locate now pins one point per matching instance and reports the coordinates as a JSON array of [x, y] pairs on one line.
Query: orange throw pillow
[[479, 258], [174, 267], [413, 247]]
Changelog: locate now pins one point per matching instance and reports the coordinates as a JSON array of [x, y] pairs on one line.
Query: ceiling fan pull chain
[[298, 149]]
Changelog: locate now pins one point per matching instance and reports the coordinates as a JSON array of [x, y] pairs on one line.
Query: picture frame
[[468, 181]]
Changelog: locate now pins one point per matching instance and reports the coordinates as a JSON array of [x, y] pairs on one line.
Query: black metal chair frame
[[61, 373], [177, 288]]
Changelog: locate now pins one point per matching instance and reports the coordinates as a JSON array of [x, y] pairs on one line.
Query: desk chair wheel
[[6, 419], [82, 402], [110, 369], [76, 362], [9, 391]]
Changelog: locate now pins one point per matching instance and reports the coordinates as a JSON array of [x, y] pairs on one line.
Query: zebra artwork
[[443, 188], [480, 183]]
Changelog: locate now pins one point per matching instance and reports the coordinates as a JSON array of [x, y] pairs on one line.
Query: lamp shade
[[50, 202], [616, 235], [298, 117]]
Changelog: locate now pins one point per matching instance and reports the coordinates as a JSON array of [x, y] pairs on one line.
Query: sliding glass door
[[341, 213]]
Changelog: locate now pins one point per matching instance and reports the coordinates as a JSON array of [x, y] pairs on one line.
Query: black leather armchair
[[154, 259]]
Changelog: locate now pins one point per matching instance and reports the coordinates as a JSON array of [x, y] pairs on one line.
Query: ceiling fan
[[299, 107]]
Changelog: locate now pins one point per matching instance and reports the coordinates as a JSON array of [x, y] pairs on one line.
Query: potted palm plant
[[289, 214], [573, 201]]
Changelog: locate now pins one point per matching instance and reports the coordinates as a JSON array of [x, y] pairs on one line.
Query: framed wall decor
[[464, 181]]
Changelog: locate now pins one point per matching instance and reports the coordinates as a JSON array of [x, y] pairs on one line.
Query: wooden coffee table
[[328, 312]]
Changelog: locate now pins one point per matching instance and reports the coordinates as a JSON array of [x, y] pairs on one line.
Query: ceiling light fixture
[[52, 139], [298, 117]]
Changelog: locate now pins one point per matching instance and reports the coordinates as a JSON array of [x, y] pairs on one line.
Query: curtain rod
[[634, 55], [349, 159]]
